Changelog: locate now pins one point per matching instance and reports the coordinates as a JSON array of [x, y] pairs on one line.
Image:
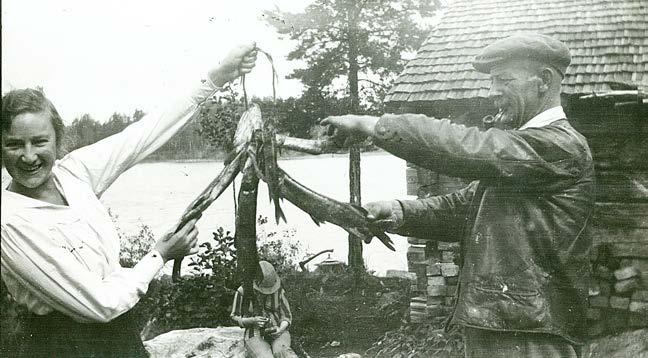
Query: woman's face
[[29, 151]]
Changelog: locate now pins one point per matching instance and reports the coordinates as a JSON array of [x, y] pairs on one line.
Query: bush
[[217, 259], [133, 247], [282, 252]]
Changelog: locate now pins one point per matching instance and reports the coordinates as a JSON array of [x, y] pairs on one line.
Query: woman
[[266, 334], [60, 250]]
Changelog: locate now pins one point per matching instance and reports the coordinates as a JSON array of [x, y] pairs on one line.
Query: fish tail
[[279, 214], [386, 240], [317, 221]]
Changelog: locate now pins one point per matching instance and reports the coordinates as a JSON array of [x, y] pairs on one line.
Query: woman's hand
[[179, 244], [238, 62]]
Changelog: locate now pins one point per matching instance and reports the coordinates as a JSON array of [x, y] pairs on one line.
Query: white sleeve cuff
[[148, 267]]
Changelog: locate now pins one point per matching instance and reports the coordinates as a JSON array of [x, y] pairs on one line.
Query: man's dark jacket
[[522, 222]]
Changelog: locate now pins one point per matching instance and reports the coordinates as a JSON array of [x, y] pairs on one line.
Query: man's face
[[515, 91], [29, 150]]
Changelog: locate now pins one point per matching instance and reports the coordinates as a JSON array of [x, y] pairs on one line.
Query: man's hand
[[386, 215], [179, 244], [350, 128], [238, 62]]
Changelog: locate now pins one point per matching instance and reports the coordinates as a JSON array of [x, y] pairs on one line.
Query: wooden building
[[604, 96]]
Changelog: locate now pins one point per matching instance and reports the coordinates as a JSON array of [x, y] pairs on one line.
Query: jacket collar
[[545, 118]]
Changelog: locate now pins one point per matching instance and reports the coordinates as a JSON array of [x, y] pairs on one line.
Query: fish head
[[250, 121]]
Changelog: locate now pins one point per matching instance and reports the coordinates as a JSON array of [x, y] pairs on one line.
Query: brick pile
[[437, 274], [619, 293], [618, 296]]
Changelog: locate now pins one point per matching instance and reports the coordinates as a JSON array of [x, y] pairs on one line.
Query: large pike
[[351, 218], [250, 122]]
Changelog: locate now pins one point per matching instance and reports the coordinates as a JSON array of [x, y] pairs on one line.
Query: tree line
[[210, 133]]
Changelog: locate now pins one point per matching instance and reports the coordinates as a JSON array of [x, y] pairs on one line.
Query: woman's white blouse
[[66, 258]]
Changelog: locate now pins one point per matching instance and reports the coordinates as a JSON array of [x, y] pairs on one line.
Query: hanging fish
[[249, 123]]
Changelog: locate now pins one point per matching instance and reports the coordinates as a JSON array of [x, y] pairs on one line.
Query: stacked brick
[[619, 296], [437, 273]]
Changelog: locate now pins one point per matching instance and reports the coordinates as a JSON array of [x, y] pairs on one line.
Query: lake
[[157, 193]]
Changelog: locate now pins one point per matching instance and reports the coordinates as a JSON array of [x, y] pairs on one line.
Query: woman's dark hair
[[29, 100]]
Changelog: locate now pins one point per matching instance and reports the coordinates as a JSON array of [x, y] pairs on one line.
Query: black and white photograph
[[324, 178]]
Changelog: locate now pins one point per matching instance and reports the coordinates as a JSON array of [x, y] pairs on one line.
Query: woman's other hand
[[239, 61], [179, 244], [257, 321]]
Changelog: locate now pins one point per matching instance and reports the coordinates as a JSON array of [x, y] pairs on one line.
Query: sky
[[100, 57]]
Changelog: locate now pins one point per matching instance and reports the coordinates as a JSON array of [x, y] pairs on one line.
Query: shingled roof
[[608, 42]]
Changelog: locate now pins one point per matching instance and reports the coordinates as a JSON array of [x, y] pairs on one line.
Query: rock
[[198, 342], [626, 286], [448, 246], [448, 256], [433, 268], [599, 301], [416, 241], [620, 303], [627, 344], [349, 355], [435, 281], [638, 306], [416, 254], [449, 269], [640, 296], [594, 290], [401, 274], [436, 290], [626, 273]]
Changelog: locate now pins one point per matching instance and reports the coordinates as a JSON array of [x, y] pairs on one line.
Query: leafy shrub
[[280, 249], [217, 258], [134, 246]]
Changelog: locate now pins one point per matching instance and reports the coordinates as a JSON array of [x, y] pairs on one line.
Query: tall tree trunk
[[245, 234], [355, 244]]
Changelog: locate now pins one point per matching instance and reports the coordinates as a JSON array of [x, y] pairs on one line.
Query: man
[[522, 221]]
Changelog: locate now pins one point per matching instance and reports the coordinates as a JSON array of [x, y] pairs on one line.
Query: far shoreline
[[287, 156]]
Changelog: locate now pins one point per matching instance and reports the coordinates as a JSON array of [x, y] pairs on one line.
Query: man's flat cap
[[537, 47]]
